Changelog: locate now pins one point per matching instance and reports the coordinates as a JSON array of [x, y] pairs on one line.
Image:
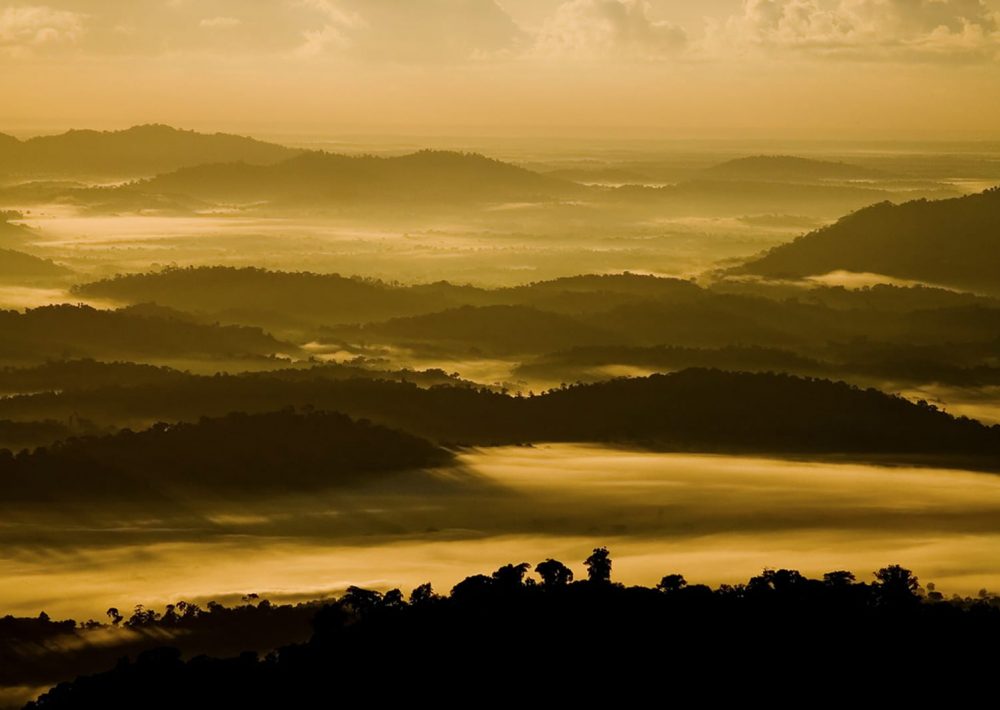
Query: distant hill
[[691, 410], [83, 332], [89, 374], [789, 168], [614, 309], [494, 330], [285, 299], [12, 234], [593, 364], [82, 374], [239, 455], [426, 176], [952, 242], [15, 266], [711, 196], [138, 151], [601, 176], [274, 297]]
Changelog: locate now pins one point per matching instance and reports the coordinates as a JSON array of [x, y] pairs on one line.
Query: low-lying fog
[[499, 248], [715, 519]]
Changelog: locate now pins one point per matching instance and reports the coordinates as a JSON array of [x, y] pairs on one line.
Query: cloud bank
[[462, 31]]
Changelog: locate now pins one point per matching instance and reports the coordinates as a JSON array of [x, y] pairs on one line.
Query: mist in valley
[[304, 308]]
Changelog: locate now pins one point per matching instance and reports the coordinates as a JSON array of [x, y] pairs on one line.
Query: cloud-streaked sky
[[750, 68]]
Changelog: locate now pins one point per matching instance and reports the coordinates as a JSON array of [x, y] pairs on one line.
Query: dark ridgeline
[[690, 410], [625, 315], [41, 651], [240, 455], [67, 331], [557, 640]]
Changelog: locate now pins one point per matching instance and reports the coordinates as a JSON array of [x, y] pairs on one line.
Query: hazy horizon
[[870, 69]]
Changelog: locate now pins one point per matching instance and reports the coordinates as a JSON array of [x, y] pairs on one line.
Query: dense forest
[[493, 628]]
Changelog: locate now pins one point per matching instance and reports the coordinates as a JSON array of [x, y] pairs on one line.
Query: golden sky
[[628, 68]]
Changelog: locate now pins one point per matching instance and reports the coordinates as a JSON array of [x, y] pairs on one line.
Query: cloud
[[602, 28], [220, 22], [401, 30], [865, 29], [30, 28]]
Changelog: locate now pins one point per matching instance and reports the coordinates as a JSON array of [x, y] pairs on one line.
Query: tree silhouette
[[672, 583], [599, 566], [554, 573], [422, 594], [511, 576], [838, 579], [896, 585]]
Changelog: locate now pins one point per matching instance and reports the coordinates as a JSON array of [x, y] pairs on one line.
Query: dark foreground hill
[[691, 410], [954, 242], [240, 455], [140, 150], [559, 640]]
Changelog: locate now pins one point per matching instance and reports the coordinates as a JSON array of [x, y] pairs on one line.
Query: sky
[[803, 69]]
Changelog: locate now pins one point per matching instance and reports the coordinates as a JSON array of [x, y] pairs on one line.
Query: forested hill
[[953, 242], [137, 151], [613, 644], [691, 410], [66, 331], [240, 455], [436, 176]]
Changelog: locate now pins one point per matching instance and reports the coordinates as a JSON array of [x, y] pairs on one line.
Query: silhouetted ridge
[[276, 297], [81, 331], [691, 410], [613, 643], [954, 242], [83, 374], [485, 329], [239, 455]]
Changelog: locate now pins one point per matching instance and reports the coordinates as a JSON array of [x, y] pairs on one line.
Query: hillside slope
[[953, 242]]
